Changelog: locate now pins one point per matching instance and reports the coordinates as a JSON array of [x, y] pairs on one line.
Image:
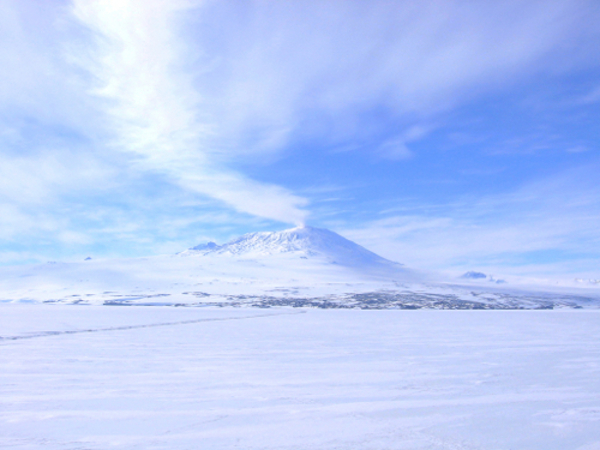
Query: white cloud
[[498, 232], [394, 149], [342, 71], [39, 87], [38, 179], [33, 189], [397, 148], [154, 110]]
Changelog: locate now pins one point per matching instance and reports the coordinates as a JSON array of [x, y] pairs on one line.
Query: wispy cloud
[[511, 232], [137, 120], [155, 112], [366, 74]]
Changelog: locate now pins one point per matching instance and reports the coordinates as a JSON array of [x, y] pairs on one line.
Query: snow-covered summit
[[305, 241], [206, 247]]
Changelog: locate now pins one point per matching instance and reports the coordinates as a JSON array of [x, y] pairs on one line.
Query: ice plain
[[141, 377]]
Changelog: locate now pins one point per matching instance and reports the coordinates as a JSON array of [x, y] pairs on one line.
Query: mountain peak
[[304, 241]]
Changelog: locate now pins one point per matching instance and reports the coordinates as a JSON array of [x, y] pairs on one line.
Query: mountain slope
[[304, 242]]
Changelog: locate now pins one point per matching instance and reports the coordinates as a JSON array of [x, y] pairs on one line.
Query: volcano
[[302, 242]]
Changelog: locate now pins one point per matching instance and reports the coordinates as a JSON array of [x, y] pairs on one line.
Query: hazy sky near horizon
[[446, 135]]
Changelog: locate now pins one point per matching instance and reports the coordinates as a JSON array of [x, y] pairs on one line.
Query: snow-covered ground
[[300, 267], [110, 377], [79, 373]]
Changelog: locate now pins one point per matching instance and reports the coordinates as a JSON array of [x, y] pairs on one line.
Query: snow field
[[243, 378]]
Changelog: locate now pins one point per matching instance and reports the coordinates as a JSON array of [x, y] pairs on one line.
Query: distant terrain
[[299, 267]]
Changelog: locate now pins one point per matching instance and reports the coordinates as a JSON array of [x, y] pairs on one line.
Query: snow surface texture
[[300, 267], [146, 378]]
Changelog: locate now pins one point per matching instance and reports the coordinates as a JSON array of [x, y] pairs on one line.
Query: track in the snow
[[133, 327]]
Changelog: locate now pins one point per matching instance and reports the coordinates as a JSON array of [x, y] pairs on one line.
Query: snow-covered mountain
[[304, 242], [297, 267]]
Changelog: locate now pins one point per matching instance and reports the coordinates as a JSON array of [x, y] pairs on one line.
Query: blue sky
[[448, 135]]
